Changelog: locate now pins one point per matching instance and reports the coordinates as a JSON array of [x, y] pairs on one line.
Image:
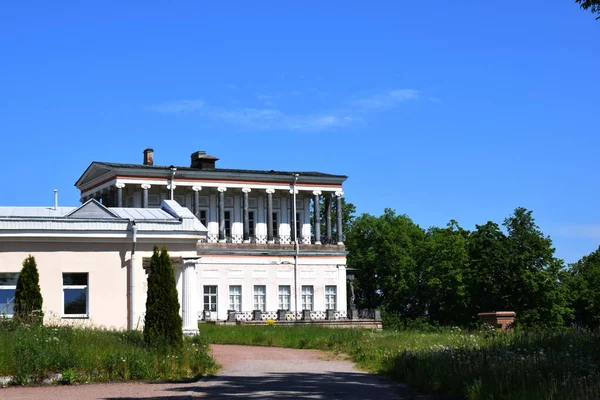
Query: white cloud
[[272, 118], [590, 231], [384, 100], [180, 106]]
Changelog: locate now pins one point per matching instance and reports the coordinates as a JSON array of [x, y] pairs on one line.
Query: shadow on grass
[[326, 386]]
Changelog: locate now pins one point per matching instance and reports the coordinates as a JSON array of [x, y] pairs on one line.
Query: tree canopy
[[592, 5]]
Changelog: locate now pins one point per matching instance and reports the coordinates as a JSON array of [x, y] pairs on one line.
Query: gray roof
[[226, 170], [37, 212]]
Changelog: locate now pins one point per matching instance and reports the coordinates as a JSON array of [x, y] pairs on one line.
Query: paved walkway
[[248, 372]]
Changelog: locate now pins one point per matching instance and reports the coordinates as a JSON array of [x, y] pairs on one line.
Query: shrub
[[162, 325], [28, 297]]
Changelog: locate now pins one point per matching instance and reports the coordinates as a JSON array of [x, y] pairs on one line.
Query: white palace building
[[246, 244]]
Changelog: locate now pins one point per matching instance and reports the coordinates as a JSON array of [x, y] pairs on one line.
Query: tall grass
[[31, 353], [563, 364]]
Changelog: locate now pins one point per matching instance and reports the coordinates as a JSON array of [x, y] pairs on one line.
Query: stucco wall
[[106, 265], [270, 271]]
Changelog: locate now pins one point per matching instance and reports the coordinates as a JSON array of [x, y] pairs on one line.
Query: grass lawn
[[559, 364], [30, 353]]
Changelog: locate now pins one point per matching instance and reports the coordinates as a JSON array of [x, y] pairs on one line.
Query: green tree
[[584, 287], [533, 273], [28, 297], [384, 252], [592, 5], [162, 324], [489, 287], [444, 264], [348, 211]]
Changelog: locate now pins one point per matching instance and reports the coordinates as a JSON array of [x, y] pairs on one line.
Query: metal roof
[[142, 214], [37, 212]]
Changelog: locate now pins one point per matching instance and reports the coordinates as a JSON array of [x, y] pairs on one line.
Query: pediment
[[91, 209], [94, 171]]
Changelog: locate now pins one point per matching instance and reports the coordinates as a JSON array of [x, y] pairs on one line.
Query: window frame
[[232, 304], [299, 223], [256, 297], [281, 296], [10, 287], [210, 297], [304, 297], [200, 211], [225, 219], [87, 295], [328, 297], [275, 224], [252, 222]]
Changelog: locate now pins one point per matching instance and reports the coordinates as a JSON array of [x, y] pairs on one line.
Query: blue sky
[[441, 111]]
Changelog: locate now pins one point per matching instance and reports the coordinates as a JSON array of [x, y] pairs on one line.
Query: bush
[[28, 297], [163, 327]]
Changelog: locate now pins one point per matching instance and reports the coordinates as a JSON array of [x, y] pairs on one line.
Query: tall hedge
[[162, 325], [28, 297]]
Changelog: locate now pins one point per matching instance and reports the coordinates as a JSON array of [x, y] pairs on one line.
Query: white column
[[189, 305]]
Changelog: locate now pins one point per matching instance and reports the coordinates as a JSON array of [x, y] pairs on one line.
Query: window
[[153, 200], [330, 297], [307, 297], [210, 298], [8, 284], [75, 294], [180, 199], [251, 222], [203, 217], [275, 224], [227, 223], [299, 225], [235, 298], [284, 297], [259, 297]]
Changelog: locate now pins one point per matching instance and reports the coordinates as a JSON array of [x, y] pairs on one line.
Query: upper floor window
[[203, 217], [251, 222], [299, 224], [227, 223], [8, 285], [275, 224]]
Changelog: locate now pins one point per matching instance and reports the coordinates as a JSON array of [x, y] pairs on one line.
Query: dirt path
[[248, 372]]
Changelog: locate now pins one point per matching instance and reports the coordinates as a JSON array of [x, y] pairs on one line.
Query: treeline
[[447, 275]]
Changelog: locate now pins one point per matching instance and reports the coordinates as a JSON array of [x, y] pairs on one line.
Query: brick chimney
[[149, 157], [201, 160]]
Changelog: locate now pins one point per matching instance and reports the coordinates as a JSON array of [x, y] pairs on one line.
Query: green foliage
[[592, 5], [584, 287], [530, 364], [29, 353], [162, 324], [28, 297], [448, 275]]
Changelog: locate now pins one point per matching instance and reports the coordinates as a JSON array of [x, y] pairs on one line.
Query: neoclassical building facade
[[274, 239]]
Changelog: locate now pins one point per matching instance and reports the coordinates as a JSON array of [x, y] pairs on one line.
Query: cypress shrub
[[162, 325], [28, 297]]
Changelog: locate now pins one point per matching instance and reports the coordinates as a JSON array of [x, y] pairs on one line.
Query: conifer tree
[[162, 325], [28, 297]]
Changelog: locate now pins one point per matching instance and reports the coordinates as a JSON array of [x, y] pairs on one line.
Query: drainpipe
[[296, 247], [173, 169], [132, 263]]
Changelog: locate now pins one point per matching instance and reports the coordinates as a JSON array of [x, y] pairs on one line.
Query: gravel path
[[248, 372]]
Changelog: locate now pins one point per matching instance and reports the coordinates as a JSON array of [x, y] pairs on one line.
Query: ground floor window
[[235, 298], [210, 298], [260, 297], [284, 297], [75, 294], [330, 297], [8, 285], [307, 297]]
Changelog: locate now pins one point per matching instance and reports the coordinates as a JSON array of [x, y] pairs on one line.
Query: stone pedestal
[[502, 320], [330, 314], [231, 316], [281, 315], [256, 315], [353, 314], [306, 315]]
